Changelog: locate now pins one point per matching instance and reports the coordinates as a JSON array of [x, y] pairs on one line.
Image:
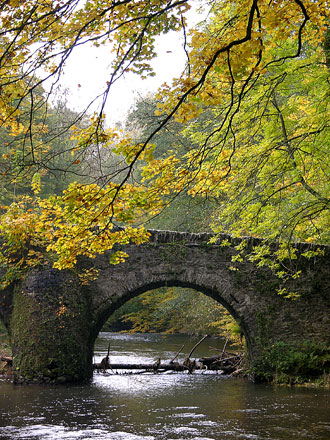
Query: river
[[162, 406]]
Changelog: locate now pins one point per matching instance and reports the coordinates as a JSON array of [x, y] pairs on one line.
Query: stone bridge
[[53, 317]]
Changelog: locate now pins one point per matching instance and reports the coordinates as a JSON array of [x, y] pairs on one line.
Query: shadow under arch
[[113, 306]]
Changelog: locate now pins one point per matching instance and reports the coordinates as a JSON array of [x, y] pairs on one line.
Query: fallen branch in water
[[227, 363], [230, 364], [172, 360], [104, 364], [6, 366], [7, 359], [192, 365], [174, 366], [196, 345]]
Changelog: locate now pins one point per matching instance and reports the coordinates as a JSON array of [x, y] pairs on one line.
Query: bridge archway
[[189, 289]]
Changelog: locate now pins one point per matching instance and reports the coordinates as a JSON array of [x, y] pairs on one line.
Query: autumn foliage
[[253, 104]]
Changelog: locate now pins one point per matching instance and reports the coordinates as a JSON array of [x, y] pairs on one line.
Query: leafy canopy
[[254, 97]]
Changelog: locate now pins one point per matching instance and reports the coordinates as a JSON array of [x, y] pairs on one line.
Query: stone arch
[[249, 294], [107, 311]]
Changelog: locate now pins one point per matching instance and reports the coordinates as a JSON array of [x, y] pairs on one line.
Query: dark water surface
[[162, 406]]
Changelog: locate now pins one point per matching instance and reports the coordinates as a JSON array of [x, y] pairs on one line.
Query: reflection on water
[[161, 406]]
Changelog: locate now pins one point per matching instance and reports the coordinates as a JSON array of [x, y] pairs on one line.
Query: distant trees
[[44, 154], [180, 211], [174, 310]]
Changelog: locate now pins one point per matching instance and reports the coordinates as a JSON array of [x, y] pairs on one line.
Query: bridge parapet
[[162, 236]]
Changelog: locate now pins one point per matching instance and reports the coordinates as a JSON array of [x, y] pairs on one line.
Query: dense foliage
[[294, 363], [250, 115]]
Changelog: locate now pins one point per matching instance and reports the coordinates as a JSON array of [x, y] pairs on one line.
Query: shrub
[[292, 363]]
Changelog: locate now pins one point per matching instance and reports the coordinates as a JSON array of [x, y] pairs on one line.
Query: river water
[[162, 406]]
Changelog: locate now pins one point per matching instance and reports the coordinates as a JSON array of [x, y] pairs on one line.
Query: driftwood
[[174, 366], [7, 359], [225, 345], [6, 366], [172, 360], [196, 345], [228, 363], [104, 364], [192, 365]]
